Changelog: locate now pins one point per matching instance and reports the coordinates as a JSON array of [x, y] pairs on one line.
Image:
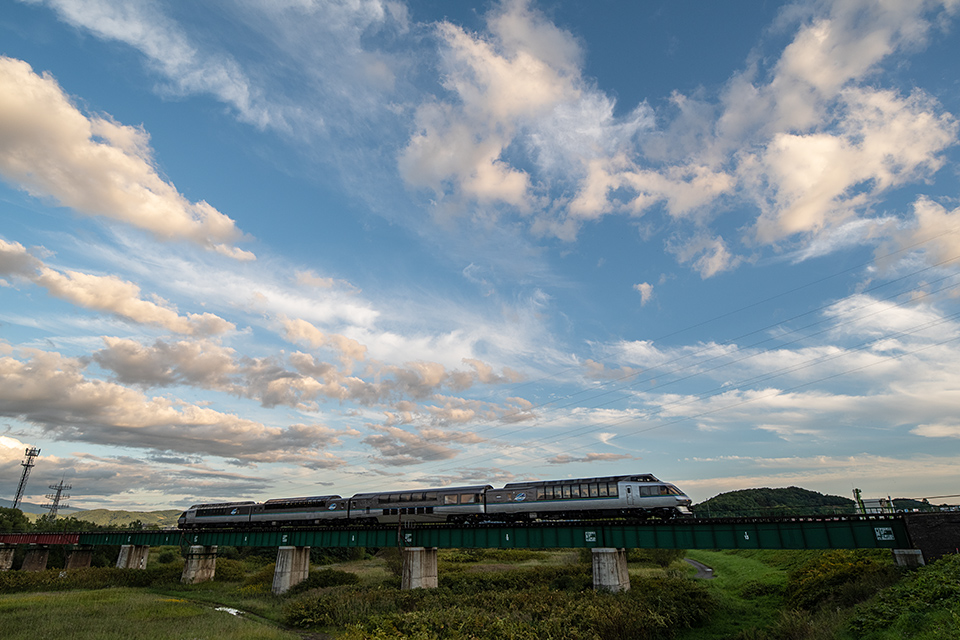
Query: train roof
[[643, 477], [473, 488], [211, 505], [303, 499]]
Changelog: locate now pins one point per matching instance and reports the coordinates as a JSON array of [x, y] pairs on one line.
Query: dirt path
[[703, 571]]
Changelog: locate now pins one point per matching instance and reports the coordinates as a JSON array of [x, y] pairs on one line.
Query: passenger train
[[636, 496]]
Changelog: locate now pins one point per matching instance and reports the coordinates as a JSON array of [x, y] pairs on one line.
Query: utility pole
[[55, 498], [27, 464]]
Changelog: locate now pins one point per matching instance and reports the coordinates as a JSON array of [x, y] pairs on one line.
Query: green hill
[[772, 502], [108, 518]]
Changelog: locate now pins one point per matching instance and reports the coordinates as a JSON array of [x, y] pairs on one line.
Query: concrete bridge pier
[[293, 567], [200, 565], [610, 570], [36, 558], [910, 558], [6, 556], [79, 558], [419, 568], [133, 556]]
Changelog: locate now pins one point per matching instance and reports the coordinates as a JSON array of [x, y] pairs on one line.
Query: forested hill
[[107, 518], [772, 502]]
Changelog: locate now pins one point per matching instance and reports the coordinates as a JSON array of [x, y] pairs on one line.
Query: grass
[[749, 592], [123, 614]]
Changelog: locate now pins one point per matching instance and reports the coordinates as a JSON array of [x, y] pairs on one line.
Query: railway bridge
[[911, 537]]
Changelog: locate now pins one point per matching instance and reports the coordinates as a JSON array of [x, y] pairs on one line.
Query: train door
[[630, 489]]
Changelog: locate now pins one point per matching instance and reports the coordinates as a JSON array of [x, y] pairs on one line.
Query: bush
[[840, 578], [324, 578], [655, 608], [928, 597], [263, 576], [88, 578], [229, 570]]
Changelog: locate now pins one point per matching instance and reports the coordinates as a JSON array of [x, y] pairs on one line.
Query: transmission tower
[[27, 465], [56, 497]]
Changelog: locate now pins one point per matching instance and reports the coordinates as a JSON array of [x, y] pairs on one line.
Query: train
[[629, 496]]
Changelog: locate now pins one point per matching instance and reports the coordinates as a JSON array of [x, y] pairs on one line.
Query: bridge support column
[[908, 557], [79, 559], [419, 568], [200, 565], [36, 559], [293, 567], [610, 570], [133, 556], [6, 557]]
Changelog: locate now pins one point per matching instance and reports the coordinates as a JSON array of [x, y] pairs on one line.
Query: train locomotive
[[632, 496]]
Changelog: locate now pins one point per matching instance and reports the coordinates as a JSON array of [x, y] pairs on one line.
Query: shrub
[[839, 578], [229, 570], [655, 608], [324, 578], [263, 576], [928, 596]]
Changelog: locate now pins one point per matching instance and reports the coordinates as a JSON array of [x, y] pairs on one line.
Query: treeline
[[773, 502], [14, 521]]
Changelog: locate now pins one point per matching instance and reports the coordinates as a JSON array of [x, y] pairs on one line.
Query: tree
[[13, 520]]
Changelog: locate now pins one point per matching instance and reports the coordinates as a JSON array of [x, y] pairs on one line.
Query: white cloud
[[94, 165], [105, 293]]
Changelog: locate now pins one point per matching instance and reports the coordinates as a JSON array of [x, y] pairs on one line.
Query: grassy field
[[497, 594], [124, 614]]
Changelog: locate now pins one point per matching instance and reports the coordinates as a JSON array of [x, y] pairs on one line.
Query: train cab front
[[682, 508]]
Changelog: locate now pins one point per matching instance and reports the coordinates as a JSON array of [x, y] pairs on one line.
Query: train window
[[467, 498], [430, 496], [404, 497], [545, 493], [575, 491], [450, 498], [664, 490], [584, 491], [566, 491], [613, 490], [647, 491], [602, 490], [594, 491]]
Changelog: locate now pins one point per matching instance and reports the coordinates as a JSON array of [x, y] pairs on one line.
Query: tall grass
[[123, 614]]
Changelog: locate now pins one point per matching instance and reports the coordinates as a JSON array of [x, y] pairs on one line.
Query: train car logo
[[234, 511], [333, 506], [520, 497]]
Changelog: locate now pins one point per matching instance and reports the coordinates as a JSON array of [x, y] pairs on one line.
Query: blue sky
[[251, 250]]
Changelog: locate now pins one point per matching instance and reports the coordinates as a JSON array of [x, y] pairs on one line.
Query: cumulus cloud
[[398, 447], [645, 289], [53, 392], [109, 294], [590, 457], [94, 165]]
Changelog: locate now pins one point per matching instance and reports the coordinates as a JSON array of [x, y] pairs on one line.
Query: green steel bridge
[[888, 531]]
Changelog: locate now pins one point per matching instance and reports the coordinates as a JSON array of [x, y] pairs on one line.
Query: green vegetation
[[124, 614], [772, 502], [505, 593], [123, 519]]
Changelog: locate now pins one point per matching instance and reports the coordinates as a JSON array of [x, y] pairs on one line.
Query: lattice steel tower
[[56, 497], [27, 465]]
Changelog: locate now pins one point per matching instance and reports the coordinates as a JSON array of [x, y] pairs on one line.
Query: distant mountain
[[108, 518], [772, 502], [29, 507]]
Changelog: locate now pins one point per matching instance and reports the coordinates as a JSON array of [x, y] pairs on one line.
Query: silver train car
[[635, 496]]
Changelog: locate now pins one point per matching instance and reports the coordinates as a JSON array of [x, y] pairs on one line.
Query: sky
[[252, 250]]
